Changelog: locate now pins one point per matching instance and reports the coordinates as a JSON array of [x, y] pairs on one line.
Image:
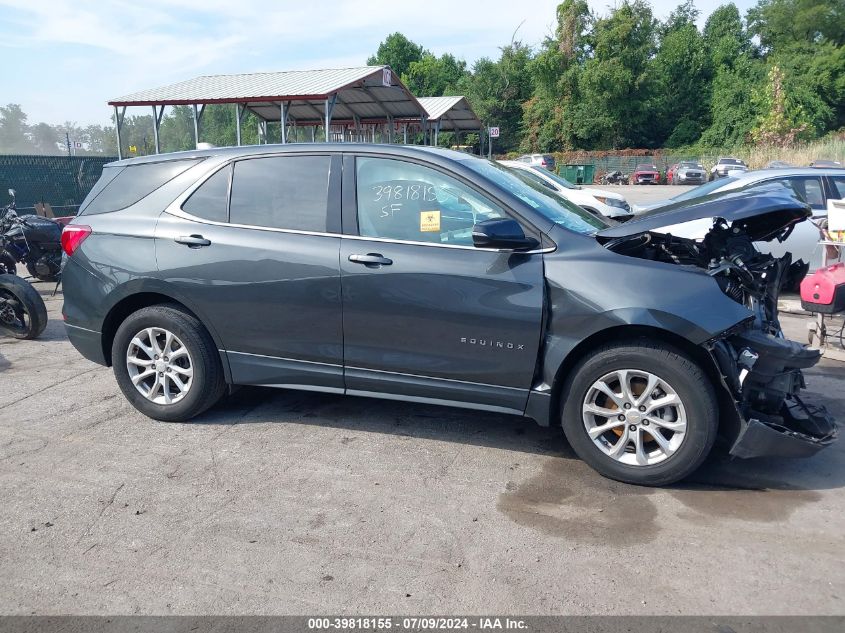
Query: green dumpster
[[579, 174]]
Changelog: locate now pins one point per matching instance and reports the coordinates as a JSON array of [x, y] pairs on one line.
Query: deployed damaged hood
[[764, 213]]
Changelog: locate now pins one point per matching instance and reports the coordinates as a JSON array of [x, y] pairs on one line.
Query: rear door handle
[[370, 259], [193, 241]]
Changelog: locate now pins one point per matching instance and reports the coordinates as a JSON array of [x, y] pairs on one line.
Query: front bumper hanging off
[[763, 373], [801, 431]]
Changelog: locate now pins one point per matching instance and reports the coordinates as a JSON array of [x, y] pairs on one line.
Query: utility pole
[[67, 142]]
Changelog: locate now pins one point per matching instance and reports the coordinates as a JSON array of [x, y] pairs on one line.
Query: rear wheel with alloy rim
[[640, 412], [166, 363]]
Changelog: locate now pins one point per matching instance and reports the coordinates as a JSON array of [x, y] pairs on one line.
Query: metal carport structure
[[452, 114], [350, 99]]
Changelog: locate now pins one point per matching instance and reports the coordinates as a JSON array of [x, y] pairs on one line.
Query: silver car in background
[[819, 187], [546, 161], [689, 172]]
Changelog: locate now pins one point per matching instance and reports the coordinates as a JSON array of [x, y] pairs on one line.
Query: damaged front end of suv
[[761, 370]]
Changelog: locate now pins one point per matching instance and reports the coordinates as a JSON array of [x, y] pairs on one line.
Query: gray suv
[[432, 276]]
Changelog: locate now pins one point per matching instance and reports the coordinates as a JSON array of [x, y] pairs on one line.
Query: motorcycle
[[23, 314], [31, 240], [614, 178]]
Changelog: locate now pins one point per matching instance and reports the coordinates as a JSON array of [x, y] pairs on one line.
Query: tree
[[613, 86], [497, 91], [681, 84], [13, 130], [434, 76], [44, 139], [398, 52], [779, 23]]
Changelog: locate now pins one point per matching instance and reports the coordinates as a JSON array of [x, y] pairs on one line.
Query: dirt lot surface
[[283, 502]]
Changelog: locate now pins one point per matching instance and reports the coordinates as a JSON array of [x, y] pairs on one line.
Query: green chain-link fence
[[61, 181]]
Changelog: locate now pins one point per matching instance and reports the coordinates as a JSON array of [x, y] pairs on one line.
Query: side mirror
[[501, 233]]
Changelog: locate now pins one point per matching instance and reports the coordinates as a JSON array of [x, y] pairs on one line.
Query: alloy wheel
[[159, 365], [634, 417]]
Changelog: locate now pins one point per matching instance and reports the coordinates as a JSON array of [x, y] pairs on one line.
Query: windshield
[[731, 161], [563, 182], [703, 190], [549, 204], [692, 166], [646, 167]]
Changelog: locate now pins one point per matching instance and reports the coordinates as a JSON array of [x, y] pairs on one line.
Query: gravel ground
[[282, 502]]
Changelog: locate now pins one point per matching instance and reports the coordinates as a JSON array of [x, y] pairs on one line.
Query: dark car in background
[[427, 275], [646, 174]]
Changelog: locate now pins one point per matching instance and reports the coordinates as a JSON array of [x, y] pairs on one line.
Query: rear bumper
[[87, 342]]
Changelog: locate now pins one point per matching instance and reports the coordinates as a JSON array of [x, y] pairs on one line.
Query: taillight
[[72, 236]]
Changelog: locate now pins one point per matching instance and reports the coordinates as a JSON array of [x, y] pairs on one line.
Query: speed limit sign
[[494, 132]]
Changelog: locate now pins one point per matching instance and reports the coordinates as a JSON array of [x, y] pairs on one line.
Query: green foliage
[[602, 81], [434, 76], [398, 52]]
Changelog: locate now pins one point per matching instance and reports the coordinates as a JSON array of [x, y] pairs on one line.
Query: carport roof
[[454, 113], [365, 92]]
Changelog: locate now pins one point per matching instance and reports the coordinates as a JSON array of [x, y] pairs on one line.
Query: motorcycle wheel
[[30, 268], [23, 314], [7, 263]]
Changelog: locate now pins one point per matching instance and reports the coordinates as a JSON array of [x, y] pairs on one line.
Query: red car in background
[[646, 174]]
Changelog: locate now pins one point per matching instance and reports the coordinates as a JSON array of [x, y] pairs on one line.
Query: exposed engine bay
[[760, 367]]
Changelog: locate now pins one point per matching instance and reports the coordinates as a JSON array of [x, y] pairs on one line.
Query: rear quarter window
[[131, 184]]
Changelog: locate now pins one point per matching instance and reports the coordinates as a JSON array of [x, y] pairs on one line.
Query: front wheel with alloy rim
[[640, 412], [166, 363]]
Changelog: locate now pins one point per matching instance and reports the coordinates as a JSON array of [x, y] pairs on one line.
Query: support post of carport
[[156, 124], [436, 132], [313, 133], [283, 120], [329, 107], [240, 110], [118, 124], [404, 133], [197, 118], [389, 130]]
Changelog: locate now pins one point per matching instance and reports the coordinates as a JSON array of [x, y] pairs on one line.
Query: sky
[[62, 60]]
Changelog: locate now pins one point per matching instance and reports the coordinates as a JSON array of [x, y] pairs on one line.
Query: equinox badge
[[486, 342]]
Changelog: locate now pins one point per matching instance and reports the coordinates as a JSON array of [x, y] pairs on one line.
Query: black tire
[[8, 264], [208, 383], [30, 268], [692, 386], [23, 314]]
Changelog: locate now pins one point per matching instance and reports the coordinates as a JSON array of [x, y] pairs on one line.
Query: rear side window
[[282, 192], [211, 199], [133, 183]]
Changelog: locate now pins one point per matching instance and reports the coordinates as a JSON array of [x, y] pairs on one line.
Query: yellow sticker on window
[[429, 221]]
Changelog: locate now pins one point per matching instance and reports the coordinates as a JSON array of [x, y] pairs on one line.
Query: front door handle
[[192, 241], [370, 259]]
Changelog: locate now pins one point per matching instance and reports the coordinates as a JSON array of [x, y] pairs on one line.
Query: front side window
[[282, 192], [807, 189], [403, 201], [839, 186]]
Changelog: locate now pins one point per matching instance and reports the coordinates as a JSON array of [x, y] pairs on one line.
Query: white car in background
[[610, 205]]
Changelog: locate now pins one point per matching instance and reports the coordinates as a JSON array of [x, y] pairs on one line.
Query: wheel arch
[[143, 299], [624, 333]]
